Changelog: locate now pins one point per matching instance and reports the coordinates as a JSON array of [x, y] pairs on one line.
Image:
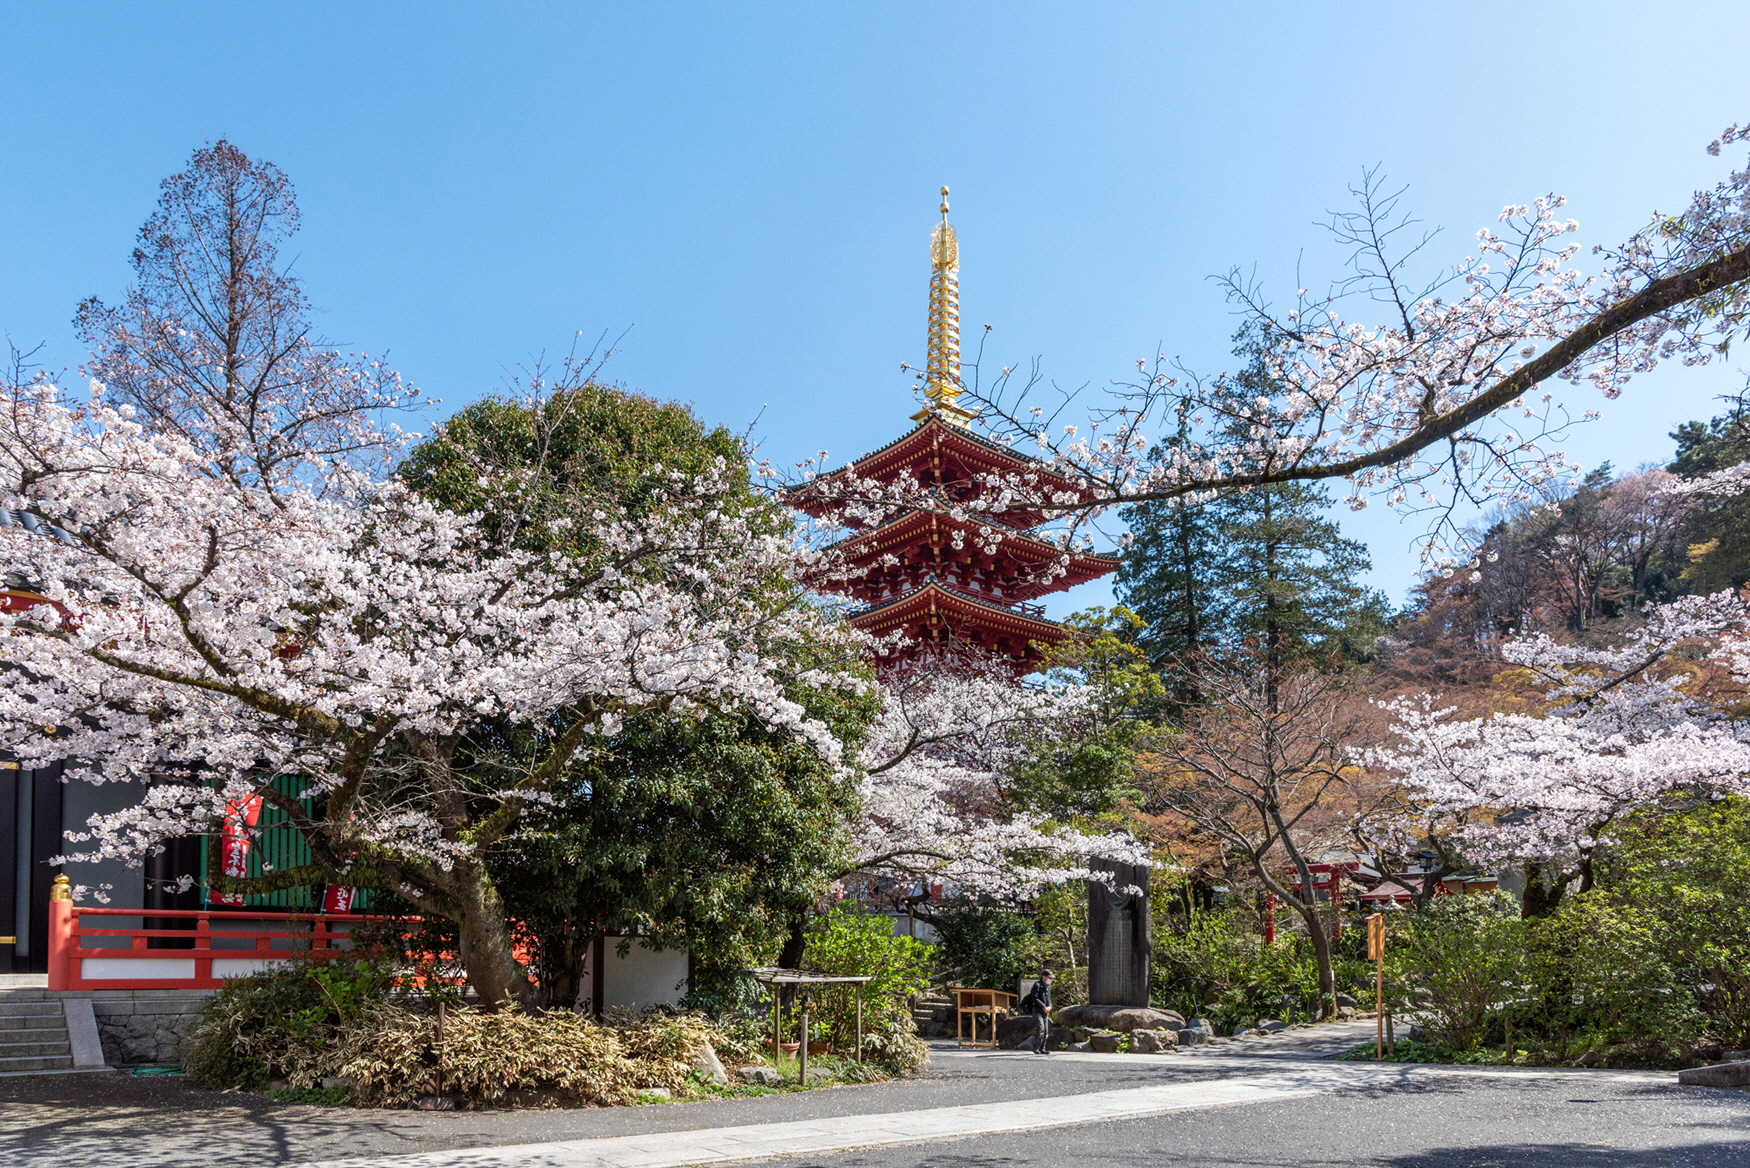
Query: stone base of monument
[[1123, 1019]]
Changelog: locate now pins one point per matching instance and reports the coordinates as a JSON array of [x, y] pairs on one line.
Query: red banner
[[234, 842], [337, 899]]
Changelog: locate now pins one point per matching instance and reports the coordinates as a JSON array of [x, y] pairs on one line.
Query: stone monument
[[1120, 936]]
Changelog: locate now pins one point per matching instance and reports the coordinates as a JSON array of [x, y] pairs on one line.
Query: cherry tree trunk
[[1120, 937], [486, 952]]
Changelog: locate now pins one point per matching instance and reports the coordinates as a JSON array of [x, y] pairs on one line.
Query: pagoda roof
[[936, 597], [978, 454], [1022, 545]]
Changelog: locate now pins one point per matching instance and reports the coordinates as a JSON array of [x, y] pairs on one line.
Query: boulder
[[1082, 1033], [1106, 1043], [1272, 1025], [1346, 1000], [1061, 1036], [1719, 1075], [1016, 1031], [1416, 1034], [708, 1066], [763, 1076], [1145, 1018], [655, 1093], [1345, 1013], [1120, 1018], [1080, 1047], [1154, 1041], [1202, 1024], [1735, 1056], [1192, 1036], [337, 1083]]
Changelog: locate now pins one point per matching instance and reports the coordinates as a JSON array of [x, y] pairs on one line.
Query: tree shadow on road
[[1735, 1154]]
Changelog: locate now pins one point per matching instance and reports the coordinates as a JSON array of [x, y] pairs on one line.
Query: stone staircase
[[934, 1015], [33, 1033]]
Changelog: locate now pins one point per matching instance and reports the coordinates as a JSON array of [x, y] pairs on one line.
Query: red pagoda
[[937, 580]]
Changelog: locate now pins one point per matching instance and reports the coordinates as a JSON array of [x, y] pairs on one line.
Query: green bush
[[1598, 976], [895, 1048], [1468, 954], [1214, 966], [1683, 877], [850, 942], [299, 1008]]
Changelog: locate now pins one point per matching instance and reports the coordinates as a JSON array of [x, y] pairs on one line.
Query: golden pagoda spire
[[942, 385]]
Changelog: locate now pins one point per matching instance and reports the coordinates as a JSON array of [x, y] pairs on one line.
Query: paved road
[[1285, 1105]]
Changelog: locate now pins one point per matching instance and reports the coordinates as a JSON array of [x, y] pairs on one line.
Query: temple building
[[936, 575]]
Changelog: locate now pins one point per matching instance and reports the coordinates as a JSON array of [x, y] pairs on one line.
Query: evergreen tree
[[1265, 566]]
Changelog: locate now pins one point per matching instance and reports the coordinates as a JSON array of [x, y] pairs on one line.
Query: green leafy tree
[[710, 832], [1719, 531], [984, 946], [1090, 773]]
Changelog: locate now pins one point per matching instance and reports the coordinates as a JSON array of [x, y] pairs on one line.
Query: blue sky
[[748, 188]]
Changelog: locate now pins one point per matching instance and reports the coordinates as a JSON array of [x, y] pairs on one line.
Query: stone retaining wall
[[142, 1027]]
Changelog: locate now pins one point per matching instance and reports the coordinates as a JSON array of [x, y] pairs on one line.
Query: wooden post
[[859, 1022], [1269, 918], [777, 1026], [1376, 950], [802, 1044], [440, 1048]]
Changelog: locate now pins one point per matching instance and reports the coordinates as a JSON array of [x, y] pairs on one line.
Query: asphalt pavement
[[1194, 1109]]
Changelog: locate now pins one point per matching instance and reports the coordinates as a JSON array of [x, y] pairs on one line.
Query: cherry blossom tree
[[241, 591], [936, 772], [361, 638], [1624, 729]]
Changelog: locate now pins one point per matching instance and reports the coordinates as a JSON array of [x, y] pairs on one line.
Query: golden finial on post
[[942, 383], [61, 889]]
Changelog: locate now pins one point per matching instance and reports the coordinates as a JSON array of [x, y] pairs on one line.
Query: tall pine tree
[[1266, 567]]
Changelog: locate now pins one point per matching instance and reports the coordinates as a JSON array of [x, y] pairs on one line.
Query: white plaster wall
[[644, 977]]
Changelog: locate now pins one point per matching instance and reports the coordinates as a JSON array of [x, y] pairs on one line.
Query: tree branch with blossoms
[[1415, 409]]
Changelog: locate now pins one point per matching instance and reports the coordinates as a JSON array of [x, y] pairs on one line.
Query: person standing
[[1037, 1004]]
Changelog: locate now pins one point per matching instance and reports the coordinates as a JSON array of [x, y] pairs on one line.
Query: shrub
[[849, 942], [896, 1048], [1598, 975], [304, 1024], [1215, 966], [279, 1023], [1683, 877], [1467, 952]]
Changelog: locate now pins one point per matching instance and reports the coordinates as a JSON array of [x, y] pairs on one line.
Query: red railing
[[184, 957]]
